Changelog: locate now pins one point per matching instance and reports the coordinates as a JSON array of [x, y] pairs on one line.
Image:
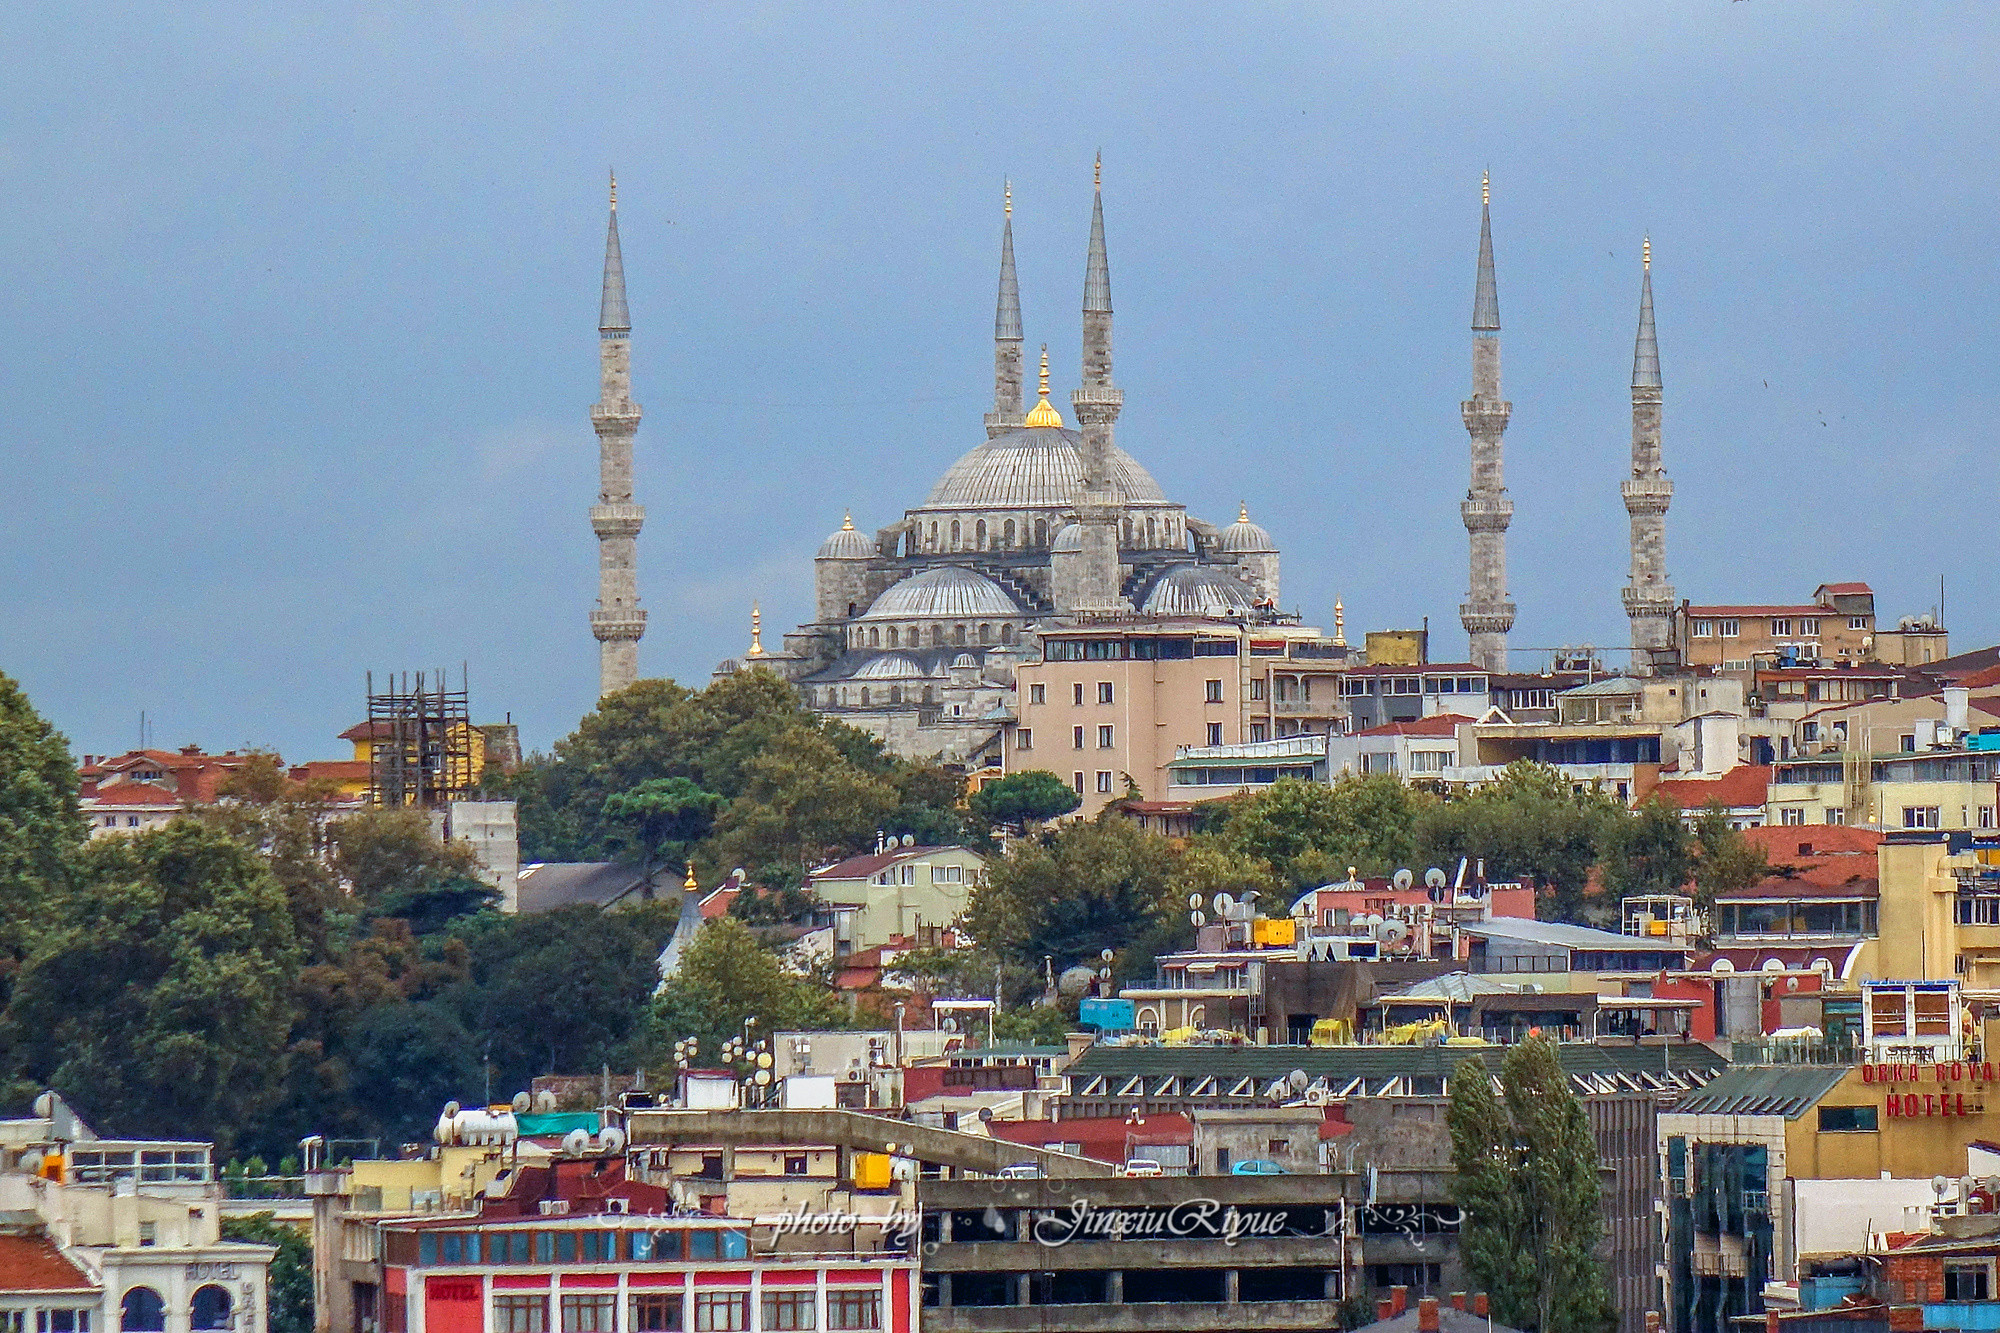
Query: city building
[[1210, 772], [142, 789], [881, 897], [1838, 625]]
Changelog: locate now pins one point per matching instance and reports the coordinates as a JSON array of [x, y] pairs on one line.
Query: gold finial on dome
[[1646, 254], [756, 631], [1044, 416], [689, 884], [847, 521], [1242, 511], [1339, 624]]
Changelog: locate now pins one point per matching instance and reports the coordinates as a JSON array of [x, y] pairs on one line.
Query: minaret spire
[[1007, 405], [619, 621], [1486, 613], [1648, 597], [1097, 402]]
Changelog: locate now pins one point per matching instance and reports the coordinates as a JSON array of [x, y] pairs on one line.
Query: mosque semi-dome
[[1068, 540], [849, 543], [1244, 537], [1192, 590], [1035, 468], [944, 591], [890, 666]]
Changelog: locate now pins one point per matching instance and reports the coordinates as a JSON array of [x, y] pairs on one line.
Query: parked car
[[1022, 1171], [1257, 1166], [1141, 1166]]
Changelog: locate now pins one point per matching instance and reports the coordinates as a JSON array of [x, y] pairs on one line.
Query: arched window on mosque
[[954, 534], [1006, 634], [851, 610], [1152, 538], [937, 636], [933, 541], [1041, 532], [895, 694], [892, 636], [986, 634], [864, 696], [979, 536], [958, 635], [927, 694], [1128, 532], [1007, 534], [874, 637]]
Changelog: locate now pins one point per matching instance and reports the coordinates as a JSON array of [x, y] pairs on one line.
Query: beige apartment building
[[1110, 704], [1837, 625]]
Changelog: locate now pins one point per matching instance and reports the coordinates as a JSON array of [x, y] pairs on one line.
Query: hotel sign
[[1948, 1080]]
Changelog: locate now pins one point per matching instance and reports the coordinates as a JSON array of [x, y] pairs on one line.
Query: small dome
[[889, 666], [1068, 541], [964, 660], [943, 591], [1243, 536], [847, 544], [1190, 590]]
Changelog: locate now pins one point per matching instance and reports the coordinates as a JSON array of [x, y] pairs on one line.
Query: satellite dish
[[909, 839], [611, 1138], [1403, 880], [577, 1142], [45, 1105], [1199, 918], [451, 1109], [1722, 967], [1074, 981], [1106, 955], [1939, 1185], [1434, 878], [1389, 932], [1223, 904], [1194, 901], [545, 1102], [985, 1115], [1296, 1081], [520, 1103]]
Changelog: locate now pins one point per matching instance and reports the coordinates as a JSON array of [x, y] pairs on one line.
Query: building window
[[1704, 629], [1106, 737], [1808, 731], [142, 1311], [1781, 628], [1215, 733], [46, 1321], [1427, 761], [650, 1314], [1256, 689], [795, 1164], [149, 1233], [1103, 780], [1076, 780], [1857, 622], [1257, 732], [210, 1308], [1986, 816], [1730, 629], [1968, 1282], [1213, 694], [1908, 744], [1835, 815], [788, 1311], [1038, 694], [1076, 694], [854, 1309], [1809, 626], [1920, 816], [521, 1314], [1791, 814], [722, 1311], [1024, 739], [1076, 738], [1104, 692]]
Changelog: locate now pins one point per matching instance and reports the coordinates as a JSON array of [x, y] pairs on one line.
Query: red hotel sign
[[1945, 1101]]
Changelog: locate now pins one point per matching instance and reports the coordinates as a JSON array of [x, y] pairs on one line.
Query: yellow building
[[1940, 909]]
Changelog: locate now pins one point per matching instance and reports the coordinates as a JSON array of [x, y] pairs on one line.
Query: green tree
[[1647, 851], [665, 815], [406, 1061], [1309, 833], [1725, 860], [395, 864], [726, 977], [1528, 823], [1021, 799], [1079, 889], [291, 1288], [159, 996], [800, 806], [1526, 1174], [39, 823]]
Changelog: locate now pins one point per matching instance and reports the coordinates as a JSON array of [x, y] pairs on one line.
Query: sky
[[298, 307]]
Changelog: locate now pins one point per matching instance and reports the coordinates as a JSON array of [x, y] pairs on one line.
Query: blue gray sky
[[297, 312]]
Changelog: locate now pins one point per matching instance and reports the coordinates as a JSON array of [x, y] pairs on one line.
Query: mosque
[[918, 625]]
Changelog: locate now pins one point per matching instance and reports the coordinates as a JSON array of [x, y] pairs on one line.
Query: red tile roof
[[336, 770], [134, 793], [1847, 589], [1104, 1138], [862, 867], [1795, 842], [33, 1263], [1746, 784], [1980, 679], [1814, 861], [1441, 724], [1422, 669], [1808, 610]]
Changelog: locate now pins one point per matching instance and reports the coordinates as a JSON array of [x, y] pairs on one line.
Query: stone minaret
[[1486, 613], [618, 620], [1649, 598], [1008, 408], [1097, 404]]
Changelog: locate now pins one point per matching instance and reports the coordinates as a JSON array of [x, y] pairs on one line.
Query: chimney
[[1458, 1300], [1399, 1299], [1479, 1304], [1652, 1321], [1770, 1321], [1385, 1309], [1427, 1315]]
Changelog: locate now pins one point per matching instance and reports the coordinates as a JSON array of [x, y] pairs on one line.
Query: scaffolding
[[421, 742]]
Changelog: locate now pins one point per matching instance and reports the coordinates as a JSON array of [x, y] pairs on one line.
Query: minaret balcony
[[1648, 494], [1485, 416], [617, 520], [1486, 513], [615, 419], [1648, 603], [607, 626], [1486, 617], [1096, 404]]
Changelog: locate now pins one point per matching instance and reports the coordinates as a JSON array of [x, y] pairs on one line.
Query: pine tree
[[1528, 1181]]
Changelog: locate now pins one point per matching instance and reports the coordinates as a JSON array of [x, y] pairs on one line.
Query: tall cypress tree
[[1527, 1169]]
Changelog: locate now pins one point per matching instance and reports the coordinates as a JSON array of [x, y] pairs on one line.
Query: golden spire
[[847, 521], [1007, 188], [1339, 624], [1646, 254], [756, 631], [690, 884], [1242, 511], [614, 190], [1486, 187], [1044, 415]]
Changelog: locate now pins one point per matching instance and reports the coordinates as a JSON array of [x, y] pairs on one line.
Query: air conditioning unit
[[554, 1207], [617, 1205]]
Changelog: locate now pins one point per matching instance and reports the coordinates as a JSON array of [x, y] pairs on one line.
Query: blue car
[[1257, 1167]]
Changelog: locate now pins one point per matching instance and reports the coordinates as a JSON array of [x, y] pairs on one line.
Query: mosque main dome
[[1035, 468]]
